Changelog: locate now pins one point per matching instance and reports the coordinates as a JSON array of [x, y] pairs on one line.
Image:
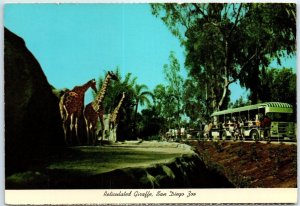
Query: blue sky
[[77, 42]]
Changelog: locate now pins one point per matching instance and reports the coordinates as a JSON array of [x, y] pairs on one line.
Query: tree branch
[[236, 21], [199, 10], [244, 65], [225, 12]]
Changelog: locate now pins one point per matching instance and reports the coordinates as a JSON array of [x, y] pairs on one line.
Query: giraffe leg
[[91, 133], [76, 130], [111, 131], [65, 117], [102, 128], [92, 128], [62, 107], [87, 131], [115, 133], [71, 127], [65, 132]]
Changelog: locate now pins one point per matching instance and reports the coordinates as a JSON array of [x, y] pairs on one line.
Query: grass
[[101, 159]]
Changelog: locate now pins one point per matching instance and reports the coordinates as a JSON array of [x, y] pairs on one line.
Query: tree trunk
[[225, 90], [134, 120], [226, 77]]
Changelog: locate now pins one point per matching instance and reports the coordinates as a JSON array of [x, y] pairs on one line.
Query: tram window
[[221, 118], [244, 116], [262, 110], [227, 118], [252, 115]]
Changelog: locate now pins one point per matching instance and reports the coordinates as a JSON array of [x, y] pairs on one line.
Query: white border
[[58, 197], [259, 195]]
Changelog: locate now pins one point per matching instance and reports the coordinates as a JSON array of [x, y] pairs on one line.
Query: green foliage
[[174, 87], [141, 96], [229, 42], [115, 89], [239, 103], [165, 104], [169, 99], [126, 119], [152, 124], [194, 101], [279, 85]]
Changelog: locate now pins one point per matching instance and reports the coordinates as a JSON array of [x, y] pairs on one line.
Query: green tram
[[282, 127]]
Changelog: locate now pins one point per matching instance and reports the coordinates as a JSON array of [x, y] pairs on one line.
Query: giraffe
[[113, 118], [71, 104], [95, 110]]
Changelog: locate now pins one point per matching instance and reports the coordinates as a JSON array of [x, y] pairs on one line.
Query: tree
[[240, 102], [152, 123], [194, 100], [141, 96], [229, 42], [279, 86], [174, 85], [165, 104]]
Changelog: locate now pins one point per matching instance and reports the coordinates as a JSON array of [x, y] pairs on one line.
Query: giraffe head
[[92, 84], [113, 76]]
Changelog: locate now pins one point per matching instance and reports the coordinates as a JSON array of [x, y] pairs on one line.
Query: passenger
[[225, 124], [205, 132], [220, 129], [241, 129], [245, 121], [232, 126], [266, 126], [257, 123], [210, 126], [252, 122]]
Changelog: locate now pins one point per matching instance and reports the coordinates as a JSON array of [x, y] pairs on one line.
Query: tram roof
[[252, 107]]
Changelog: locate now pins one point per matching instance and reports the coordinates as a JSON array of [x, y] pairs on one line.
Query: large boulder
[[33, 127]]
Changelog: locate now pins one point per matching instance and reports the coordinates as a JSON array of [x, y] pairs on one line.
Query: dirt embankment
[[247, 164]]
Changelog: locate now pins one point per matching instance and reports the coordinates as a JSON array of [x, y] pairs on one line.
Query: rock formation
[[32, 122]]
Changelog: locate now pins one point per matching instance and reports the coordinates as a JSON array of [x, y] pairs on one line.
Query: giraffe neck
[[100, 96], [80, 90], [116, 110]]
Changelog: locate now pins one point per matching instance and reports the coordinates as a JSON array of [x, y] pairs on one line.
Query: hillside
[[249, 164]]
